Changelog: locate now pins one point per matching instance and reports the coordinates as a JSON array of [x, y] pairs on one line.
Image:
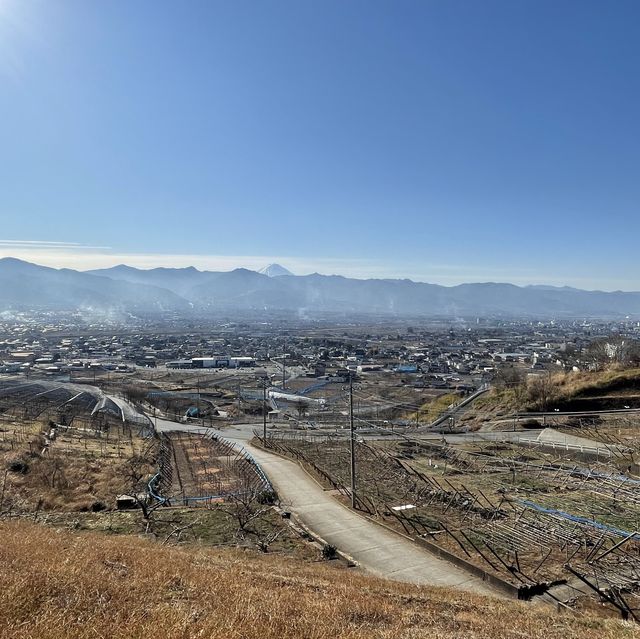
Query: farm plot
[[530, 518], [64, 468], [57, 452], [199, 470]]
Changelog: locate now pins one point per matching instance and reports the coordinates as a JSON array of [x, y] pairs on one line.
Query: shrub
[[267, 498], [329, 551], [98, 506], [18, 466]]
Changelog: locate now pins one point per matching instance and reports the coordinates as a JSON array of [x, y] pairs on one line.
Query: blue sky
[[445, 141]]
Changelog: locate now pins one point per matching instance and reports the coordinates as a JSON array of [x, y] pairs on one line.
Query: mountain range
[[28, 286]]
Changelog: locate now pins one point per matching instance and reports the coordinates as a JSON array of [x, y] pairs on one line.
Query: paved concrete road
[[375, 548]]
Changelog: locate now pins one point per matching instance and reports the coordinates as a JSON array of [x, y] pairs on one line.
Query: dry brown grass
[[64, 585], [76, 471], [62, 481], [434, 408], [614, 378], [561, 388]]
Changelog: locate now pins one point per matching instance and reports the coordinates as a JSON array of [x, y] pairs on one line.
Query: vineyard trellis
[[534, 546], [198, 470]]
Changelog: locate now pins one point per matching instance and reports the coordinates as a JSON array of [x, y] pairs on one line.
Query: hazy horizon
[[257, 263]]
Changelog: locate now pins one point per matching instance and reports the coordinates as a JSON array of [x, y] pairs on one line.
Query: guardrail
[[588, 452]]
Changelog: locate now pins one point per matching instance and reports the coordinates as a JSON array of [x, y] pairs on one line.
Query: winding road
[[375, 548]]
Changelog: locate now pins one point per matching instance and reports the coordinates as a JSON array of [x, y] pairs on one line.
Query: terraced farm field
[[543, 522]]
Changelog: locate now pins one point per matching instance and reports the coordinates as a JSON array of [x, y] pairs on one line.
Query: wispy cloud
[[36, 244]]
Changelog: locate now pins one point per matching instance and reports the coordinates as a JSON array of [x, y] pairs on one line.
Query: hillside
[[609, 389], [602, 390], [69, 585], [26, 285]]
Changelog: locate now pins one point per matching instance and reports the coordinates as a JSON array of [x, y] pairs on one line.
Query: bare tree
[[247, 510], [508, 376], [615, 349], [541, 391], [137, 477]]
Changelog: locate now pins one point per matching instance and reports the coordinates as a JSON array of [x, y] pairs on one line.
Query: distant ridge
[[274, 270], [25, 285]]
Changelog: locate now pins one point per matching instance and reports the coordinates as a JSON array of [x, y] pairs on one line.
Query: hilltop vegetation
[[614, 387], [65, 585]]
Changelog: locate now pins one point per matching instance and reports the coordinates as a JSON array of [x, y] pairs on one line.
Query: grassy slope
[[431, 410], [600, 383], [564, 388], [65, 585]]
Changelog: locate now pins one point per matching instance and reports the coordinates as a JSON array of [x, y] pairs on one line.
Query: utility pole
[[264, 383], [352, 444], [200, 411], [264, 415], [284, 365]]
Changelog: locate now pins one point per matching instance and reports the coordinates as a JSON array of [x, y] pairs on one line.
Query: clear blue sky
[[440, 140]]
